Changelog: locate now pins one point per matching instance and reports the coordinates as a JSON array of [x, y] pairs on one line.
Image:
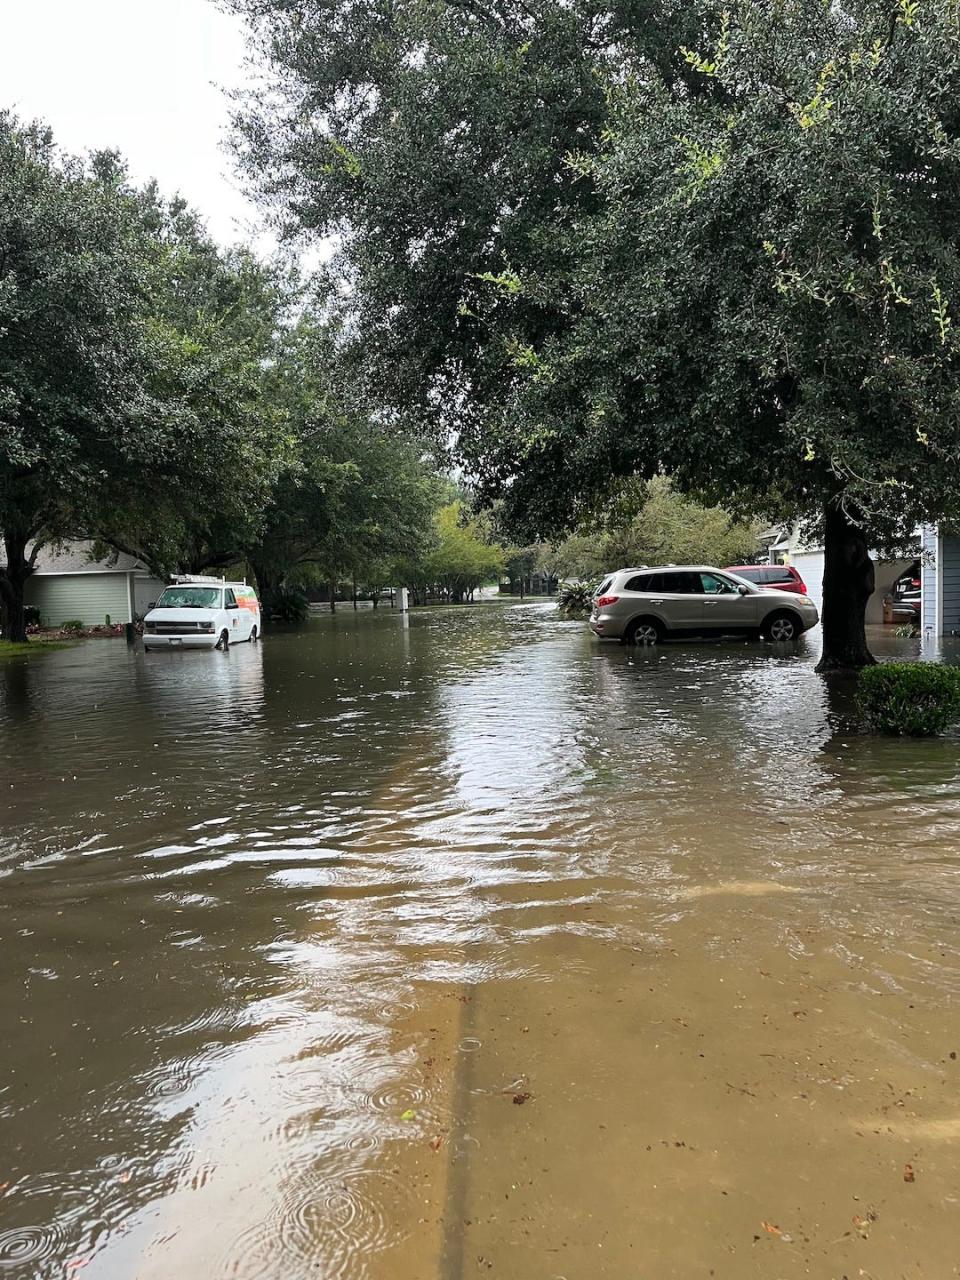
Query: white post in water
[[403, 599]]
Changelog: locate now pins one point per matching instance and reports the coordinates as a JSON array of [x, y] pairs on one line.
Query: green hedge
[[915, 699]]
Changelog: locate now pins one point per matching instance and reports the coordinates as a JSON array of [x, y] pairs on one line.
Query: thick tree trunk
[[333, 597], [269, 585], [354, 593], [13, 579], [848, 583]]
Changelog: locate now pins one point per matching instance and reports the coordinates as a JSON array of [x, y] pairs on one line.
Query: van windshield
[[189, 598]]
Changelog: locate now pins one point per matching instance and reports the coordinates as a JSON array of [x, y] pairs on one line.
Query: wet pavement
[[460, 945]]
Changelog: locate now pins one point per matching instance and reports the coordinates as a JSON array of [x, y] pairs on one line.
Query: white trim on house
[[931, 595]]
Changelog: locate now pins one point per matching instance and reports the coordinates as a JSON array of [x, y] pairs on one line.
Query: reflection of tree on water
[[843, 714], [15, 692]]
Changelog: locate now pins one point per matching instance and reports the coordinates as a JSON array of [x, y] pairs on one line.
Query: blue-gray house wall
[[939, 581], [950, 584]]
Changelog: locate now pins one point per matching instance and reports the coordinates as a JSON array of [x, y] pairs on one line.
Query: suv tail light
[[603, 601]]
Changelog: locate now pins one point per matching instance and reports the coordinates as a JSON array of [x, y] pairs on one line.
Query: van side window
[[230, 598]]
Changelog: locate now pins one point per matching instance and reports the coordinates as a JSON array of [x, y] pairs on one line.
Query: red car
[[778, 577]]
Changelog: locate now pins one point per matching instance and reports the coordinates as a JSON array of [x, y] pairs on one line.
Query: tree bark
[[848, 583], [13, 579], [269, 585]]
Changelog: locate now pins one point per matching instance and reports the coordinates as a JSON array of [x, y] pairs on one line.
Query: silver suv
[[645, 606]]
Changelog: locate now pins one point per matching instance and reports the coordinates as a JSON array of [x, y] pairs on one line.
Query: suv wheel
[[782, 627], [644, 631]]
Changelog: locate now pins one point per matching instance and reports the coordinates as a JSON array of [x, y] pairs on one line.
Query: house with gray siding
[[69, 582], [939, 581], [939, 575], [790, 547]]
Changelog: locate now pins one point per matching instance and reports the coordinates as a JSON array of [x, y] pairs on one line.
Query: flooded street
[[460, 945]]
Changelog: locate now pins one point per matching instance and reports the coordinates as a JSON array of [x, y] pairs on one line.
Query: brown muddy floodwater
[[460, 946]]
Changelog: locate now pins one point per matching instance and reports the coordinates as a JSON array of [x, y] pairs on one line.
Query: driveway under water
[[460, 945]]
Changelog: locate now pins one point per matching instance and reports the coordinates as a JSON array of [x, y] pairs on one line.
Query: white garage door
[[809, 565]]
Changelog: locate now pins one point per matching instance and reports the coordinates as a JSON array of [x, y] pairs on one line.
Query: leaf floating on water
[[771, 1228], [909, 1173], [409, 1115], [126, 1175], [437, 1142], [520, 1098]]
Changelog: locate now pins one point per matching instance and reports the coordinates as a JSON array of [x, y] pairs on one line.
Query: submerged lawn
[[10, 650]]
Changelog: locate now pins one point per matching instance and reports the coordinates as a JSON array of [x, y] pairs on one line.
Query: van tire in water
[[253, 635], [224, 641]]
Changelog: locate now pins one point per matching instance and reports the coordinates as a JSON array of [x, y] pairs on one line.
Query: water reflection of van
[[202, 613]]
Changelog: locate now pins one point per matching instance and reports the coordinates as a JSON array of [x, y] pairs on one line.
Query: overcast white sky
[[139, 75]]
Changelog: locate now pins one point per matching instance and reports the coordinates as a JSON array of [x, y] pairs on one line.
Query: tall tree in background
[[74, 267], [214, 327], [597, 241], [133, 353], [651, 523], [349, 497], [462, 558]]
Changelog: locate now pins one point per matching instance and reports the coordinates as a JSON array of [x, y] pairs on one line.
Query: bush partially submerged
[[914, 699], [575, 599], [287, 605]]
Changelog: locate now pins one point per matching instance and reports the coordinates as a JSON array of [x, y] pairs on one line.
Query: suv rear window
[[765, 575], [604, 586]]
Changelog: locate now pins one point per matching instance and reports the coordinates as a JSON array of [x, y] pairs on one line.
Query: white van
[[202, 613]]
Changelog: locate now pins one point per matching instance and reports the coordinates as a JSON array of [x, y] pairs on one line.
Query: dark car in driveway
[[905, 596]]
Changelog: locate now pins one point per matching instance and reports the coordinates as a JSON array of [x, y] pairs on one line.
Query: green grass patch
[[31, 648]]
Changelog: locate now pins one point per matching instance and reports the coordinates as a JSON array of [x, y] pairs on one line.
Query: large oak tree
[[594, 240]]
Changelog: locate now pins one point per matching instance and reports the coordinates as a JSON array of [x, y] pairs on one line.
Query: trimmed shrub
[[575, 599], [72, 624], [286, 605], [31, 615], [914, 699]]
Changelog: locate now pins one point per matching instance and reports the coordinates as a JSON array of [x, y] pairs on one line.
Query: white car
[[645, 606], [202, 613]]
